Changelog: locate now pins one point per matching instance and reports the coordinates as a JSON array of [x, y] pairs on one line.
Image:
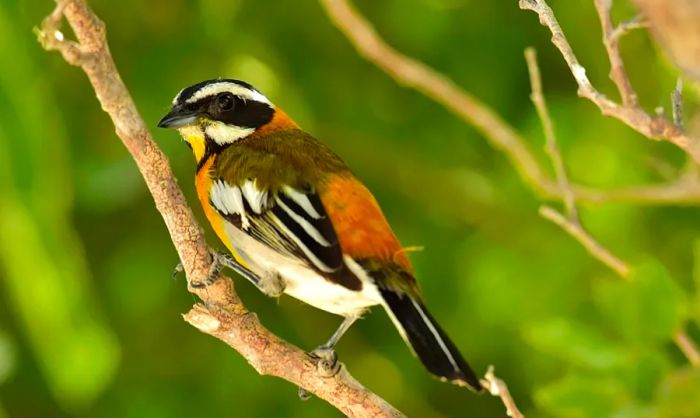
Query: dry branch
[[651, 126], [687, 347], [551, 147], [654, 127], [503, 137], [571, 223], [226, 318], [497, 387], [577, 232], [611, 41]]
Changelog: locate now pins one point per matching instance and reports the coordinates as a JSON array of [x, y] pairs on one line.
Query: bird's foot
[[304, 394], [326, 361], [272, 285], [218, 261], [179, 268]]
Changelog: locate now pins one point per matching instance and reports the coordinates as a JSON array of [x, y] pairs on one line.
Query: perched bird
[[297, 221]]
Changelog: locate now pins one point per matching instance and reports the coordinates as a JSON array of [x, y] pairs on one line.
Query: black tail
[[428, 341]]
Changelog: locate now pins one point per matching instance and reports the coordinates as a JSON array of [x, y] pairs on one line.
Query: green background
[[90, 320]]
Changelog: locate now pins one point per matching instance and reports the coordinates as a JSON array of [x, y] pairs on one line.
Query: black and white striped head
[[221, 111]]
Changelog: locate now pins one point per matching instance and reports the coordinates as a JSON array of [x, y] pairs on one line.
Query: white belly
[[302, 282]]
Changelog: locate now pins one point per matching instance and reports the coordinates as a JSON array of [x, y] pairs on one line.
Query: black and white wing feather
[[290, 221]]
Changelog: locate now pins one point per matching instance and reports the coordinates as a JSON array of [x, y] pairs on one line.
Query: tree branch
[[415, 74], [577, 232], [226, 318], [687, 347], [498, 387], [551, 147], [571, 223], [502, 136], [653, 127], [611, 39], [629, 112]]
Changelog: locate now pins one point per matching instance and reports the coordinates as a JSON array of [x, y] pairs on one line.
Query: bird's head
[[217, 113]]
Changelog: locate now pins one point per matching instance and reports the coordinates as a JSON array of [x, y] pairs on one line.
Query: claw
[[218, 260], [304, 394], [326, 361], [179, 268]]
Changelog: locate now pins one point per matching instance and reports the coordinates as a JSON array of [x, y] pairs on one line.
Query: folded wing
[[291, 221]]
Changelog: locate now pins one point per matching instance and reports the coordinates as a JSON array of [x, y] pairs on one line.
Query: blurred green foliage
[[41, 253], [89, 320]]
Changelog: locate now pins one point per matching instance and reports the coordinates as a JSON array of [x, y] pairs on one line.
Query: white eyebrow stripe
[[223, 86], [177, 96]]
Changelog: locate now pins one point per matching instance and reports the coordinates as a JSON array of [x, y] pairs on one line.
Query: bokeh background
[[90, 320]]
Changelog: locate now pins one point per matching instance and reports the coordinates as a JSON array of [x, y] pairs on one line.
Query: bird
[[297, 221]]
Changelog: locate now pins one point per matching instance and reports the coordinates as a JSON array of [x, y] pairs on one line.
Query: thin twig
[[498, 387], [571, 222], [637, 22], [687, 347], [226, 317], [551, 140], [618, 74], [680, 191], [677, 104], [651, 126], [589, 243]]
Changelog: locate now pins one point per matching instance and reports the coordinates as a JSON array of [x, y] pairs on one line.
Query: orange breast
[[362, 230]]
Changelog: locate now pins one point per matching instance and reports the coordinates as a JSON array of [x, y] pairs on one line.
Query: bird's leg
[[324, 355], [219, 260], [272, 285]]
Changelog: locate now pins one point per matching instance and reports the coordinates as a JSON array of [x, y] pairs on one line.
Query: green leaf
[[649, 307], [679, 395], [576, 343]]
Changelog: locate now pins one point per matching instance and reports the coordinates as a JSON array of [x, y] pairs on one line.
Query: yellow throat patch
[[193, 135]]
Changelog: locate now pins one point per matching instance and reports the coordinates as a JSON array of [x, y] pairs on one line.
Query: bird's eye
[[225, 101]]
